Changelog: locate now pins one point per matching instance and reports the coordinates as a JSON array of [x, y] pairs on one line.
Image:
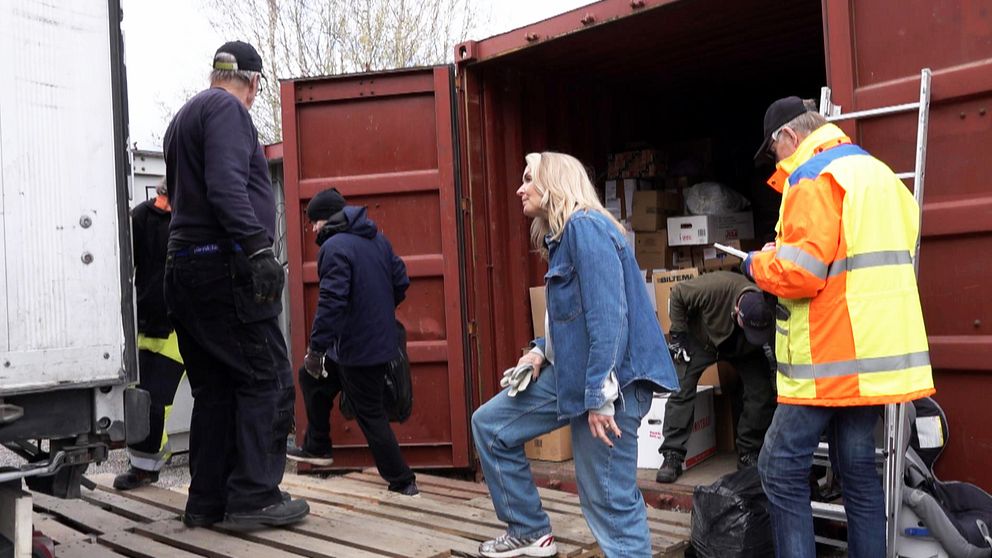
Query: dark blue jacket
[[361, 283], [217, 175]]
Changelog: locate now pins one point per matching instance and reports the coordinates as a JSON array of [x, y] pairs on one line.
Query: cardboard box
[[651, 250], [692, 230], [652, 207], [620, 194], [702, 440], [538, 308], [643, 163], [553, 446], [663, 284], [682, 257], [723, 418], [715, 260]]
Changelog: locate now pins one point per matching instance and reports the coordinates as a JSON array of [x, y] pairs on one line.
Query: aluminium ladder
[[895, 428]]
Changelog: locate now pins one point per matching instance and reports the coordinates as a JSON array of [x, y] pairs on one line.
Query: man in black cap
[[719, 316], [354, 339], [223, 287]]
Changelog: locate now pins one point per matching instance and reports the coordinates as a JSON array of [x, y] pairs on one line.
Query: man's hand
[[535, 360], [313, 363], [602, 425], [678, 346], [267, 276]]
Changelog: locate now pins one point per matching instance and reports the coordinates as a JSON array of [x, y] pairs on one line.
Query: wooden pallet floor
[[351, 516]]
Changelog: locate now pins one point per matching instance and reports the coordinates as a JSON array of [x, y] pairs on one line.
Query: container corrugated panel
[[385, 141], [60, 286], [875, 51]]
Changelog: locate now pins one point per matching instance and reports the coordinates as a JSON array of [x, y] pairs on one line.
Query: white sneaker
[[507, 547]]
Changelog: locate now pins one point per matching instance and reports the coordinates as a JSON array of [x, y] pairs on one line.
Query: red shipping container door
[[385, 141], [875, 51]]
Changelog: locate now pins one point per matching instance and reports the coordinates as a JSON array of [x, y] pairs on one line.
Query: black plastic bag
[[730, 518], [397, 395]]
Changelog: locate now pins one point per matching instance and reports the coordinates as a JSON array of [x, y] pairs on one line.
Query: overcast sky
[[169, 46]]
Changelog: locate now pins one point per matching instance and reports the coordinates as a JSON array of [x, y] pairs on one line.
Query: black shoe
[[303, 456], [284, 513], [135, 477], [747, 459], [202, 519], [408, 490], [670, 470]]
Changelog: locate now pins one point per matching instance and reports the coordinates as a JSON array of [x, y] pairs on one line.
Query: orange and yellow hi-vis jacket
[[850, 327]]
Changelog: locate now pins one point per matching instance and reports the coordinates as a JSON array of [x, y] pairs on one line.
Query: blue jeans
[[785, 463], [607, 477]]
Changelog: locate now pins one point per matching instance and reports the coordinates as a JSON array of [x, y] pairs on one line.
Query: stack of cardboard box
[[642, 163]]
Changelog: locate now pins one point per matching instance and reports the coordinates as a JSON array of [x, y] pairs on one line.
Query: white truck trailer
[[67, 325]]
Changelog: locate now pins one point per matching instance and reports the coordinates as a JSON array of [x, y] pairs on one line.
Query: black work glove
[[313, 363], [678, 346], [267, 276]]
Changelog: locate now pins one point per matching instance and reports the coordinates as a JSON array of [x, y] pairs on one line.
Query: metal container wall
[[874, 56], [385, 141]]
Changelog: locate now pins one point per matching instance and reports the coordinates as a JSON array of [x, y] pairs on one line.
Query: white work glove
[[517, 378]]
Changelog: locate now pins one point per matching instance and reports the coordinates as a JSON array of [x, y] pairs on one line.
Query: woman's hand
[[534, 360], [602, 425]]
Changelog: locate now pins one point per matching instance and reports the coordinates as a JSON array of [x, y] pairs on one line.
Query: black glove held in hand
[[267, 276], [314, 364]]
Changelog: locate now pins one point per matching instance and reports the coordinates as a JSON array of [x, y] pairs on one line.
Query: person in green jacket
[[719, 316]]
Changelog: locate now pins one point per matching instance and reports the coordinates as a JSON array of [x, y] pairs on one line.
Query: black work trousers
[[241, 381], [758, 406], [363, 385]]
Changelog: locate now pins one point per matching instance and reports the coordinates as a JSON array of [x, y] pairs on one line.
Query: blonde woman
[[603, 357]]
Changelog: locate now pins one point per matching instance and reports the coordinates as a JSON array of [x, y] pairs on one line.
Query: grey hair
[[222, 76], [161, 189], [806, 123]]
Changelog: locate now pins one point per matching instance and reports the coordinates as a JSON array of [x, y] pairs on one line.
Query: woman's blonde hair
[[564, 187]]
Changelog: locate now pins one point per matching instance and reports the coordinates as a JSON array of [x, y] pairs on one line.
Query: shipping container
[[437, 156]]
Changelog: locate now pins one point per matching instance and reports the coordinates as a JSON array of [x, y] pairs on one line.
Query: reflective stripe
[[781, 330], [803, 259], [857, 366], [870, 259]]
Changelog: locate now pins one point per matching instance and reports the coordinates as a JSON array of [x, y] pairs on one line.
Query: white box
[[691, 230], [702, 441]]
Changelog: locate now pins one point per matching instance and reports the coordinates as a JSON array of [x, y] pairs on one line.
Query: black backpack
[[397, 395]]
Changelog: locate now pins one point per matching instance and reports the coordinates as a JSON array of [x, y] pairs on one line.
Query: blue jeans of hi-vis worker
[[607, 477], [785, 463]]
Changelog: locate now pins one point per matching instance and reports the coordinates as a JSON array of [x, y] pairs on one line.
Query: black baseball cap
[[757, 318], [779, 114], [245, 56]]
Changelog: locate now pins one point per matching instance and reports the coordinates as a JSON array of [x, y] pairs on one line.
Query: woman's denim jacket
[[600, 316]]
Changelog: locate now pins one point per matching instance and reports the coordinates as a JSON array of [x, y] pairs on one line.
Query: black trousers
[[758, 405], [363, 386], [241, 381], [160, 376]]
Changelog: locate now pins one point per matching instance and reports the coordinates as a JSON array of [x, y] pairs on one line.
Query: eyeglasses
[[775, 136]]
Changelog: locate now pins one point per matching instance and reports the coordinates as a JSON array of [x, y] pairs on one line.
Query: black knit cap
[[757, 318], [325, 204], [245, 56]]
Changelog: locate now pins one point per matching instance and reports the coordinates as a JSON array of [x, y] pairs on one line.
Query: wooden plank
[[304, 545], [120, 504], [163, 498], [137, 546], [15, 518], [85, 550], [79, 513], [384, 535], [430, 489], [207, 542], [58, 532]]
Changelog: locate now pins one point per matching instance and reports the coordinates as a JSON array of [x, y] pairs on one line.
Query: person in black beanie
[[223, 288], [354, 338]]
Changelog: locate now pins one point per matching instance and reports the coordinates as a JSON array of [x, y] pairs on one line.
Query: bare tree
[[327, 37]]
